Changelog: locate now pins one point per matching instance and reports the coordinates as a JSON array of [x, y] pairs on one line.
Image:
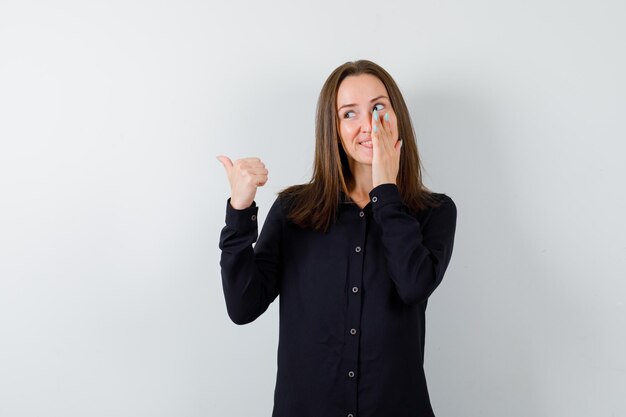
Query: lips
[[366, 142]]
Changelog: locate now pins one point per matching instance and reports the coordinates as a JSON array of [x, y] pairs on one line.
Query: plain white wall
[[112, 201]]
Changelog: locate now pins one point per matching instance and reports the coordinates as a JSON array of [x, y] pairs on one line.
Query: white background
[[112, 201]]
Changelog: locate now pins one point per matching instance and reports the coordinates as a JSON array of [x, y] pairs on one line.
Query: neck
[[362, 186]]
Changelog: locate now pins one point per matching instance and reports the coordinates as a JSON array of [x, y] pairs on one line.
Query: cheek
[[347, 131]]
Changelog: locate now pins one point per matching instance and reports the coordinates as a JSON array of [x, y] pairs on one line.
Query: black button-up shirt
[[352, 301]]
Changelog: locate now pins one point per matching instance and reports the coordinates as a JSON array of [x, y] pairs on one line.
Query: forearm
[[417, 255], [249, 275]]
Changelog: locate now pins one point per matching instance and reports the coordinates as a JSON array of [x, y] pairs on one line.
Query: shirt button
[[357, 249], [353, 331], [351, 374], [355, 289], [361, 214], [253, 217], [374, 199]]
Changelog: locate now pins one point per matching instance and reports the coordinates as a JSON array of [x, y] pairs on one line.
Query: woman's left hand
[[386, 151]]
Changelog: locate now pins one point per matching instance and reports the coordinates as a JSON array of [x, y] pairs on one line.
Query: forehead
[[360, 88]]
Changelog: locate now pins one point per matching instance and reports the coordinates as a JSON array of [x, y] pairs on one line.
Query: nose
[[366, 126]]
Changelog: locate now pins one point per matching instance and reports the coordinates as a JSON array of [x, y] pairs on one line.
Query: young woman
[[354, 255]]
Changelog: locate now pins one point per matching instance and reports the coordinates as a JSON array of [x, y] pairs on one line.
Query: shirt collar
[[346, 201]]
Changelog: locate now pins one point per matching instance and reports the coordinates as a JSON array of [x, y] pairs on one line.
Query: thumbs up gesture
[[244, 175]]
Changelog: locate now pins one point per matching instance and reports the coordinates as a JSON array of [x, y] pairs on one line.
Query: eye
[[378, 107], [346, 114]]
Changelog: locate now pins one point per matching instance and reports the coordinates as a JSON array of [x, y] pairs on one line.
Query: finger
[[377, 123], [226, 162], [260, 180], [258, 171], [255, 164], [382, 133], [387, 123], [375, 135], [249, 163], [387, 128]]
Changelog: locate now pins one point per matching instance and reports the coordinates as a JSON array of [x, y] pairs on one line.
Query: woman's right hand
[[244, 175]]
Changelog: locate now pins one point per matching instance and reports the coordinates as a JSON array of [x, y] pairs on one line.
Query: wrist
[[381, 182], [238, 205]]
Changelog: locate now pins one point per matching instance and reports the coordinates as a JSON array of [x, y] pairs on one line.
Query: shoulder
[[279, 208], [285, 199], [445, 201], [443, 213], [294, 195], [292, 192]]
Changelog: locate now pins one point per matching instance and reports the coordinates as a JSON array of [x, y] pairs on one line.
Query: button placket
[[357, 240]]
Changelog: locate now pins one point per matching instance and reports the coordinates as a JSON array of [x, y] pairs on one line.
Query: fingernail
[[375, 129], [375, 115], [386, 117]]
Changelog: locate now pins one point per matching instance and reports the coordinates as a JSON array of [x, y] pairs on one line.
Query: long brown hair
[[315, 203]]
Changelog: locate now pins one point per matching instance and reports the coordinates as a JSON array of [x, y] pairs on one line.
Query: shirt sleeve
[[250, 275], [417, 255]]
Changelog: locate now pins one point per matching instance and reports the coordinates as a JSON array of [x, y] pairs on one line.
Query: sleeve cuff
[[242, 221], [384, 194]]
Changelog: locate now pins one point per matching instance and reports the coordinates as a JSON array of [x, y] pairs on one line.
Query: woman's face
[[357, 97]]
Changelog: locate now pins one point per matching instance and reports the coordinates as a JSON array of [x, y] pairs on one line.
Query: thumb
[[398, 145], [228, 164]]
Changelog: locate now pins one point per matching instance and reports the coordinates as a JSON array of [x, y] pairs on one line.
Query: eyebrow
[[371, 101]]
